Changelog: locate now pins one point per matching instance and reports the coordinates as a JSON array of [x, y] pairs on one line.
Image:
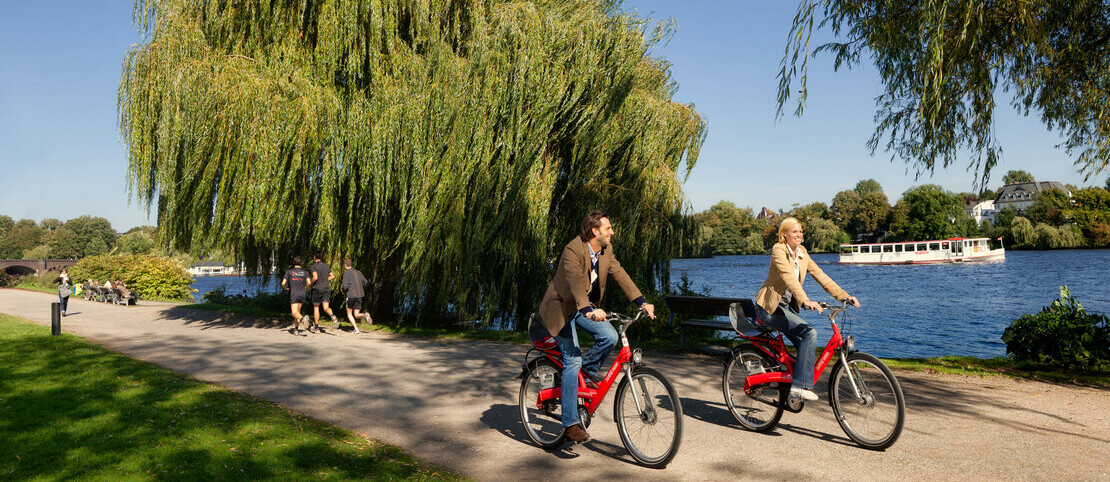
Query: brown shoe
[[576, 434]]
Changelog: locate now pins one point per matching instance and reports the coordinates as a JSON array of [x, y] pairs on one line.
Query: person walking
[[296, 280], [782, 296], [65, 286], [321, 291], [572, 300], [353, 283]]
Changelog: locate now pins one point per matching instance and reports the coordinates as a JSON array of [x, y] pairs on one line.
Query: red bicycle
[[647, 409], [865, 397]]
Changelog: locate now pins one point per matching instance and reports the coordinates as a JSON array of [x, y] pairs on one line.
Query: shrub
[[277, 301], [151, 276], [7, 280], [1062, 335]]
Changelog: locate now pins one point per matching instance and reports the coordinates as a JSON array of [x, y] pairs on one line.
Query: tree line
[[76, 238], [864, 214]]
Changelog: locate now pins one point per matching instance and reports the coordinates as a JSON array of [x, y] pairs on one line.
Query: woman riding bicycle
[[782, 296]]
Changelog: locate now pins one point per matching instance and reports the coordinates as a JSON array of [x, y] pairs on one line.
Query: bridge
[[22, 267]]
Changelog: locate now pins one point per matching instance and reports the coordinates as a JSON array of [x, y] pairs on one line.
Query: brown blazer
[[780, 277], [568, 291]]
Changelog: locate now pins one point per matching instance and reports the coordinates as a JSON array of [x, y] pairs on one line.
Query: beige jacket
[[780, 277], [568, 291]]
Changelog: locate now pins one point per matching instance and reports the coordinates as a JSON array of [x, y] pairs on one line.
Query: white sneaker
[[803, 394]]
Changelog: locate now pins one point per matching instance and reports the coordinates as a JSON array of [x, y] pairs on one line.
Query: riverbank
[[955, 365], [455, 403]]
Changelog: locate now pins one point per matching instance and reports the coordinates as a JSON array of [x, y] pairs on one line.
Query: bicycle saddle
[[541, 339], [747, 317]]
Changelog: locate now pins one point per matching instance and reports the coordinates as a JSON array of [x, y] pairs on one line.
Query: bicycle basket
[[744, 316]]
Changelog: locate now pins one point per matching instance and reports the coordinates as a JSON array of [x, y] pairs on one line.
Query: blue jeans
[[605, 338], [804, 338]]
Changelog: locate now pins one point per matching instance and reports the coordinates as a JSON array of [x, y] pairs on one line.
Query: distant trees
[[860, 211], [926, 212], [923, 212], [727, 229], [1017, 176], [77, 238]]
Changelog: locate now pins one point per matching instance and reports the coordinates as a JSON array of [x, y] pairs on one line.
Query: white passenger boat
[[952, 250]]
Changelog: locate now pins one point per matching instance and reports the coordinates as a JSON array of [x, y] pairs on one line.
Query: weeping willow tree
[[943, 62], [450, 148]]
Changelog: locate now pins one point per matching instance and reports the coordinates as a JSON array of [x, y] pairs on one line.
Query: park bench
[[122, 297], [715, 314]]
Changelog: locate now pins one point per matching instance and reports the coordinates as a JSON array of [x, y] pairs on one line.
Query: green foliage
[[1062, 335], [1049, 237], [943, 64], [135, 242], [276, 302], [822, 236], [151, 276], [726, 229], [64, 243], [24, 235], [1022, 232], [862, 211], [926, 212], [1049, 207], [95, 234], [7, 280], [450, 148], [1016, 176]]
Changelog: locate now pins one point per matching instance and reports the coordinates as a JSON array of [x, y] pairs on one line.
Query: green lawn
[[75, 410]]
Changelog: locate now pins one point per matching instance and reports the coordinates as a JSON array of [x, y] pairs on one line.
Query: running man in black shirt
[[296, 280], [321, 291], [353, 281]]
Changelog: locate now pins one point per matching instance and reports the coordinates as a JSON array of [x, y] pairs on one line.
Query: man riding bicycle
[[571, 300]]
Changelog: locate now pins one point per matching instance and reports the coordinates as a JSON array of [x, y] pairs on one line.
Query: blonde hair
[[786, 224]]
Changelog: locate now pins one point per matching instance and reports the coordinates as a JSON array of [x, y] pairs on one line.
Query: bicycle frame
[[776, 349], [594, 397]]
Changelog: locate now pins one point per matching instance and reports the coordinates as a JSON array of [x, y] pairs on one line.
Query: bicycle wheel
[[543, 424], [754, 411], [652, 429], [873, 417]]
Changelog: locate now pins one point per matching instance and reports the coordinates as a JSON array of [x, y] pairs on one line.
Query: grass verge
[[75, 410]]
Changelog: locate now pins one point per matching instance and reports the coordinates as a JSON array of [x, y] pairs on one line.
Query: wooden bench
[[712, 313]]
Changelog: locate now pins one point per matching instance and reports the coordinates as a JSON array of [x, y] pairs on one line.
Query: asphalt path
[[454, 403]]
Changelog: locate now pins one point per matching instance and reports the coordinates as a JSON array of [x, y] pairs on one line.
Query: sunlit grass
[[75, 410]]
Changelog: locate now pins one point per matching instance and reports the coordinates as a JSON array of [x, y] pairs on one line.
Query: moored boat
[[952, 250]]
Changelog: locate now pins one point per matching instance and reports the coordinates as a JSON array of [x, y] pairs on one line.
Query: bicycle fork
[[646, 414], [857, 385]]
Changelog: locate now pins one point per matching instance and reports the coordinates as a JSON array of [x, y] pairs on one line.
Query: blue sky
[[61, 155]]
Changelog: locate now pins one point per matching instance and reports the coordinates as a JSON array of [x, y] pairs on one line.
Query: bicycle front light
[[637, 356], [850, 342]]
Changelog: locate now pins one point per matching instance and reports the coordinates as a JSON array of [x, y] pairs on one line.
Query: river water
[[927, 310], [908, 310]]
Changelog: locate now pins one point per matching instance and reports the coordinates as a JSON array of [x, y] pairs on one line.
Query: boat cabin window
[[865, 249], [888, 248], [934, 246], [846, 249], [921, 246], [897, 248], [944, 245]]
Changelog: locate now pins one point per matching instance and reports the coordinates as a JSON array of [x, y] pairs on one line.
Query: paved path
[[454, 403]]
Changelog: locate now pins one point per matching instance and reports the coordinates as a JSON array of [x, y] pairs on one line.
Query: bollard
[[56, 318]]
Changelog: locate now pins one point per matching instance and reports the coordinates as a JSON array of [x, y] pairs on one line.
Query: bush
[[151, 276], [7, 280], [278, 301], [1062, 335]]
